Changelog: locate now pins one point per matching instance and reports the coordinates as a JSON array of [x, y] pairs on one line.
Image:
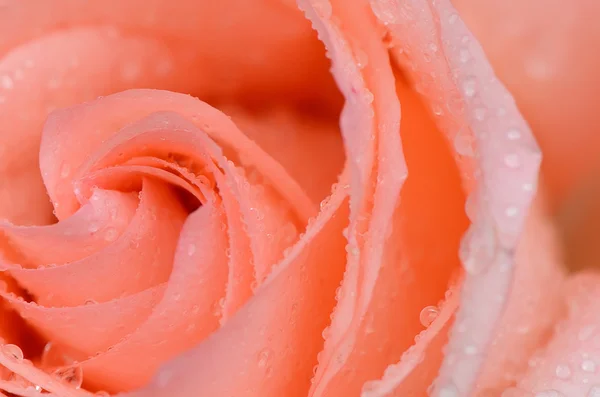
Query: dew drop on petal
[[13, 351], [513, 135], [469, 87], [588, 366], [549, 393], [528, 187], [111, 234], [448, 390], [263, 358], [464, 55], [65, 170], [511, 211], [470, 350], [512, 160], [72, 375], [191, 250], [463, 145], [6, 82], [428, 315], [562, 371]]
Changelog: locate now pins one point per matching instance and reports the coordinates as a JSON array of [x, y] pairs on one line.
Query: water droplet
[[463, 144], [479, 114], [452, 19], [65, 170], [512, 160], [131, 71], [448, 390], [362, 59], [464, 55], [369, 97], [594, 391], [13, 351], [586, 332], [93, 227], [588, 366], [469, 86], [528, 187], [511, 211], [72, 375], [111, 234], [6, 82], [513, 134], [428, 315], [263, 358], [470, 350], [384, 12], [549, 393], [191, 249], [562, 371]]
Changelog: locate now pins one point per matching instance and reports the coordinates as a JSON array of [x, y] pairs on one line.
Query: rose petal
[[532, 307], [394, 248], [140, 263], [542, 56], [272, 341], [54, 62], [569, 364], [419, 365]]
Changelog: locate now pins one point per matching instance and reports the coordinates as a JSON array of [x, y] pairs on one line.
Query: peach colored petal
[[64, 147], [391, 254], [69, 54], [418, 366], [271, 343], [88, 329], [228, 245], [33, 247], [568, 365], [140, 263], [310, 149], [532, 307], [508, 169]]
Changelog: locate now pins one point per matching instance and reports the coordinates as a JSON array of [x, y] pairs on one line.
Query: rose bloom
[[258, 198]]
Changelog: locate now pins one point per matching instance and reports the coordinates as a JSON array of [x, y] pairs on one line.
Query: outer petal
[[568, 365], [542, 56]]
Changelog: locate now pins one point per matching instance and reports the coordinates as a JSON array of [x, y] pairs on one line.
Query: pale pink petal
[[541, 51], [569, 364], [401, 254]]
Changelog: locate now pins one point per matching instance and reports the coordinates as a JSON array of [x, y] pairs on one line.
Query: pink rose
[[183, 250]]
